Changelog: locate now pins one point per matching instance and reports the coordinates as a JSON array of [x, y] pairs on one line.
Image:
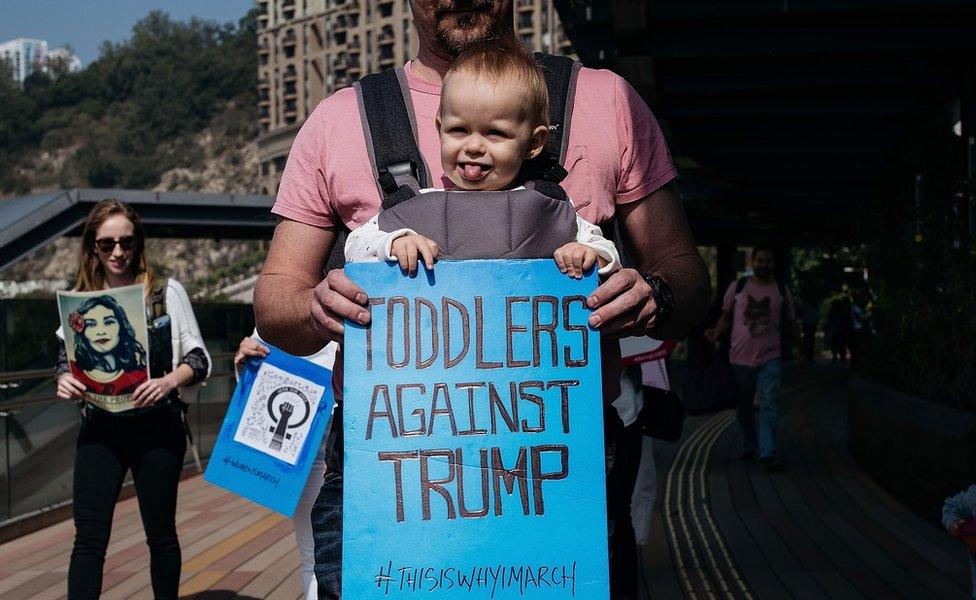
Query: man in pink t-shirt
[[619, 167], [757, 313]]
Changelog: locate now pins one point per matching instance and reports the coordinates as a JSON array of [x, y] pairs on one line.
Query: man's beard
[[457, 33]]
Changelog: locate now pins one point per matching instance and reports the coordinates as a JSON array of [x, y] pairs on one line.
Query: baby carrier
[[528, 223]]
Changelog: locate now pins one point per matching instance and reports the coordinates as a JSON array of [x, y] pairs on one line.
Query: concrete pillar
[[725, 253], [967, 118]]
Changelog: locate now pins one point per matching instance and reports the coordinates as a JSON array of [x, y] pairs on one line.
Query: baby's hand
[[574, 258], [407, 248]]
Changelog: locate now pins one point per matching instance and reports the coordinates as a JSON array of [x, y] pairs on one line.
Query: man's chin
[[456, 37]]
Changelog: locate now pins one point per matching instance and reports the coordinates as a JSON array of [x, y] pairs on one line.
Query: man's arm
[[720, 327], [296, 308], [659, 241]]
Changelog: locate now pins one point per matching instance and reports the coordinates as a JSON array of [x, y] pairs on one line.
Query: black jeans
[[152, 445], [622, 453]]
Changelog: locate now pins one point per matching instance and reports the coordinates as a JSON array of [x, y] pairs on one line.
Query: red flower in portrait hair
[[75, 322]]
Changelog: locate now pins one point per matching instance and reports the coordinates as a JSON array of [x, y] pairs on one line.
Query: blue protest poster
[[473, 432], [272, 430]]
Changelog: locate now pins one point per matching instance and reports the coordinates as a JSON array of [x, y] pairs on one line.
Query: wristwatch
[[663, 298]]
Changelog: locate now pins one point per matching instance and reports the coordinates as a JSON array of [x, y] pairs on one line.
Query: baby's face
[[484, 135]]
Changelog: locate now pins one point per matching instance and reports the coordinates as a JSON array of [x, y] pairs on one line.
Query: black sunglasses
[[108, 244]]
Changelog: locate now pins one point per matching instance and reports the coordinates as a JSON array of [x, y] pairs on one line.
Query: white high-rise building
[[24, 55]]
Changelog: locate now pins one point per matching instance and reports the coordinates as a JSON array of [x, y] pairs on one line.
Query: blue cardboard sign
[[272, 430], [473, 432]]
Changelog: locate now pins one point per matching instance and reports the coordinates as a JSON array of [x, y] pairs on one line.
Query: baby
[[493, 116]]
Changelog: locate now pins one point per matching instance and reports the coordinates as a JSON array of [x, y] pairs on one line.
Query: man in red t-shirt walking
[[757, 309]]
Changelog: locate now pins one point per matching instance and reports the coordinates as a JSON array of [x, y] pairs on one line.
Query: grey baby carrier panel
[[507, 224]]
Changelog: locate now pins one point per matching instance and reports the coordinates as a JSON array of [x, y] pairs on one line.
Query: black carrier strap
[[561, 73], [390, 128]]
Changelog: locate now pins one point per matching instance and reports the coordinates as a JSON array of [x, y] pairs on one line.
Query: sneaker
[[771, 463], [746, 457]]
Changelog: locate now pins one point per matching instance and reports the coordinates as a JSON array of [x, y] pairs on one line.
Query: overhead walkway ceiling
[[786, 116], [29, 222]]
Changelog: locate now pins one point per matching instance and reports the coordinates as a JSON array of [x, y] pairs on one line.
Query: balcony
[[385, 8], [290, 107], [289, 39], [354, 44], [386, 34], [290, 89], [290, 73]]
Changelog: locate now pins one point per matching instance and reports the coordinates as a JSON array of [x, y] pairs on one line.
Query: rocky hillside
[[172, 108], [229, 165]]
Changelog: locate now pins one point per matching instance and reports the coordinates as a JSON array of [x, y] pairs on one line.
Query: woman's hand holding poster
[[107, 343], [473, 424]]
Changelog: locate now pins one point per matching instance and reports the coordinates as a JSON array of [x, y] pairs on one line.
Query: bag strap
[[390, 128], [739, 286], [157, 297]]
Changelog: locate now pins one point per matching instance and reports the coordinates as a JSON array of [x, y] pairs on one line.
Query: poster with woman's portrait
[[107, 342]]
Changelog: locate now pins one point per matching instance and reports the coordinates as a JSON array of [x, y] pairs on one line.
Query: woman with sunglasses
[[150, 439]]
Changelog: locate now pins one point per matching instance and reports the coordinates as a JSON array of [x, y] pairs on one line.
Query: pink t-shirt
[[616, 154], [756, 323]]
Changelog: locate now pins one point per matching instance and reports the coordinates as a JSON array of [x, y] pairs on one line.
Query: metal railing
[[38, 432]]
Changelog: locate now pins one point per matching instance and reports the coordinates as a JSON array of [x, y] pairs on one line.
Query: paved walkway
[[820, 529], [231, 549]]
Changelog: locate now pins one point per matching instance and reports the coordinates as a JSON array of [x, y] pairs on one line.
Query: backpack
[[399, 169]]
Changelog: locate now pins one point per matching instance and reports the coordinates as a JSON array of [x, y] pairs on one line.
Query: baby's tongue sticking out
[[473, 171]]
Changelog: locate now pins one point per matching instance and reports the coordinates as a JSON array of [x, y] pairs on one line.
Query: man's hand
[[623, 305], [711, 335], [408, 249], [334, 300]]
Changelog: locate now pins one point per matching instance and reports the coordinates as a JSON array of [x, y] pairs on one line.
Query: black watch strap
[[663, 298]]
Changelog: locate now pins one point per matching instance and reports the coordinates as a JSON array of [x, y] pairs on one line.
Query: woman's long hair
[[91, 273], [129, 353]]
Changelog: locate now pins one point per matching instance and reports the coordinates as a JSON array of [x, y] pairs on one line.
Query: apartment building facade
[[308, 49], [23, 56]]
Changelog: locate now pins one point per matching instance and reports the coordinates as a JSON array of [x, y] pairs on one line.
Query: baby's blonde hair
[[506, 58]]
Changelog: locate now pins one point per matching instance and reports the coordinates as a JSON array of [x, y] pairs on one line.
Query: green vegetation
[[131, 114], [923, 277]]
